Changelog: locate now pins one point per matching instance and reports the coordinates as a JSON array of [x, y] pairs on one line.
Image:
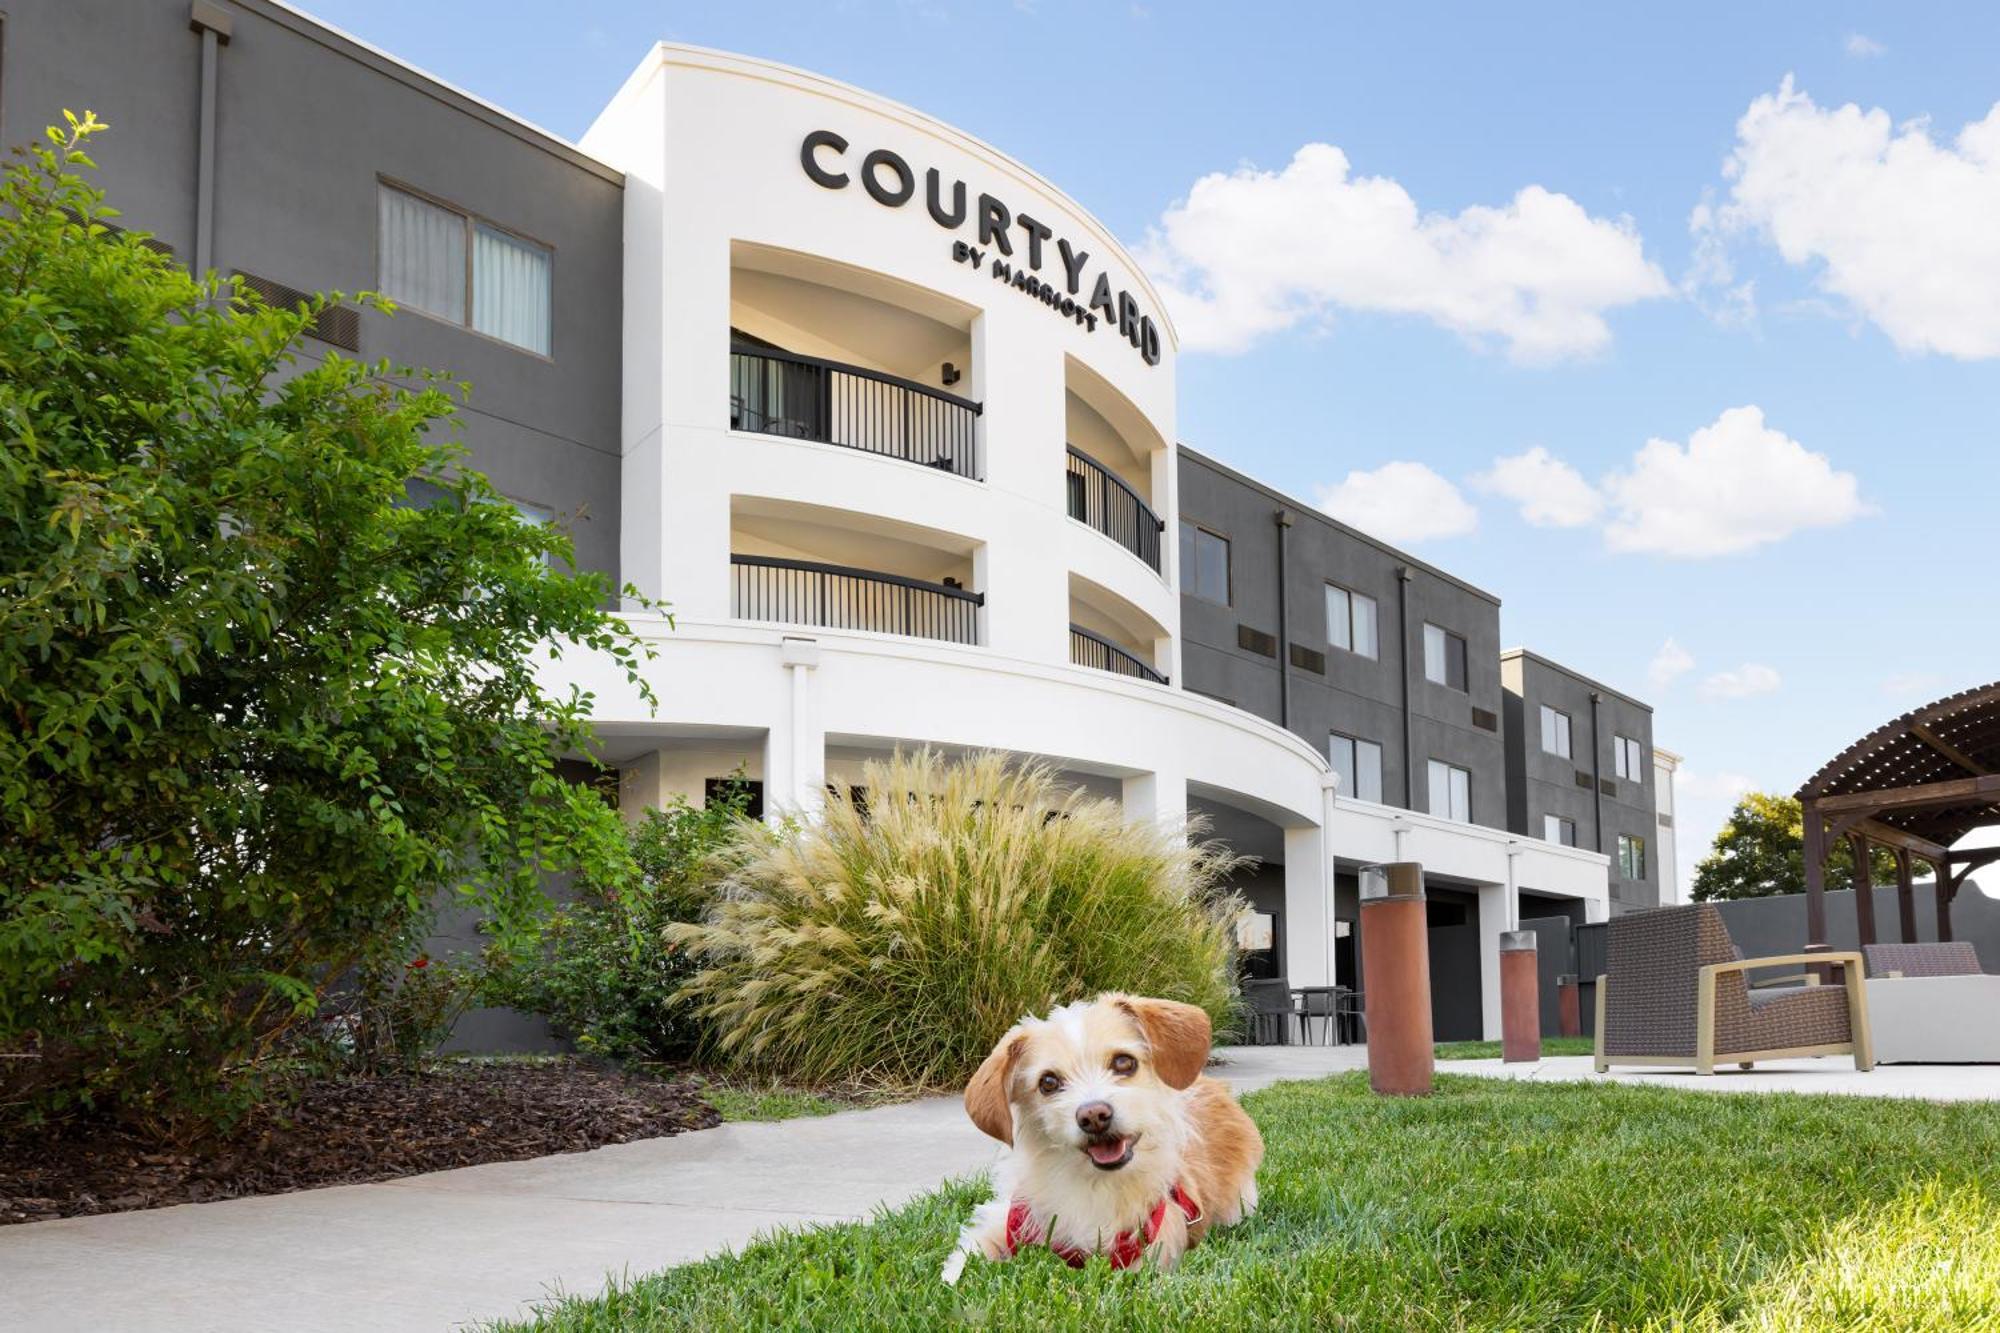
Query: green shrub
[[261, 711], [897, 937], [602, 976]]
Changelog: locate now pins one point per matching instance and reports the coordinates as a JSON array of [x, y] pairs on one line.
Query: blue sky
[[1425, 313]]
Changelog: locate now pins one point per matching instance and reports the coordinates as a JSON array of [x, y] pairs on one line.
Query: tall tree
[[258, 711], [1760, 852]]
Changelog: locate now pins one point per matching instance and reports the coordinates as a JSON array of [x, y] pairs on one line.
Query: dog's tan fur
[[1183, 1128]]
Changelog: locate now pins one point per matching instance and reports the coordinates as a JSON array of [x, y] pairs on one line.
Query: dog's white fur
[[1183, 1129]]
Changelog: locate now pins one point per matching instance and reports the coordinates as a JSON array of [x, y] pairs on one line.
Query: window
[[1629, 758], [1204, 564], [1350, 620], [1444, 657], [1555, 731], [1631, 856], [1451, 792], [452, 265], [1359, 764], [1558, 830]]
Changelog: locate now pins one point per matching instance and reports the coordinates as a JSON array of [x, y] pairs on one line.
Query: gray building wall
[[307, 122], [1332, 689], [1585, 785]]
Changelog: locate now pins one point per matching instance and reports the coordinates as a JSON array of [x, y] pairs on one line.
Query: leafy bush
[[897, 937], [603, 977], [260, 709]]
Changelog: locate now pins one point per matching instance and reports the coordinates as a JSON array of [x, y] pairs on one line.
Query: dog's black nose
[[1094, 1117]]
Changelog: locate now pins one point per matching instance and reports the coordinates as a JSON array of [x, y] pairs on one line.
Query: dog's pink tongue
[[1107, 1152]]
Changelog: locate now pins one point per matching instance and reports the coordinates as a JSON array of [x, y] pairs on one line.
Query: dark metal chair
[[1271, 1011], [1320, 1006], [1350, 1018]]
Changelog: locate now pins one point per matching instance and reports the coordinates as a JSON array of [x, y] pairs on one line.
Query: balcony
[[1094, 650], [1099, 499], [808, 592], [773, 392]]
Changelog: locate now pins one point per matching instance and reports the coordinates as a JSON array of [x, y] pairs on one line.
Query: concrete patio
[[436, 1251]]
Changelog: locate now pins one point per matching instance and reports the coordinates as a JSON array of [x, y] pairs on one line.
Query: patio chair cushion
[[1944, 958], [1780, 1019]]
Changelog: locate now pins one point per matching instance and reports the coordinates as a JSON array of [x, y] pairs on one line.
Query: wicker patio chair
[[1676, 994], [1946, 958]]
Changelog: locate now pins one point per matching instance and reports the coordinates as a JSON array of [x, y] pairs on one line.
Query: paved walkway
[[433, 1252]]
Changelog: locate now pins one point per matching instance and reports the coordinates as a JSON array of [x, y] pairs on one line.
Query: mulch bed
[[345, 1131]]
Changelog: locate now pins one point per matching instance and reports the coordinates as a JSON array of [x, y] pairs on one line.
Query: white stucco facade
[[736, 236]]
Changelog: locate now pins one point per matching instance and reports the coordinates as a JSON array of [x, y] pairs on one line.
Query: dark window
[[1204, 563], [1631, 856], [750, 793], [1359, 764], [1444, 657]]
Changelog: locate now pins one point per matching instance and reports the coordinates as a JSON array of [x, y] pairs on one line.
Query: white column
[[1019, 379], [1156, 798], [1493, 918], [1308, 908], [795, 747]]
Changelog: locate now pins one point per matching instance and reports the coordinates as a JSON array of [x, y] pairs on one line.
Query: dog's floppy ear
[[986, 1095], [1177, 1033]]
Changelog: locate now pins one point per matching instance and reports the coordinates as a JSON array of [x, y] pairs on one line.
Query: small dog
[[1116, 1143]]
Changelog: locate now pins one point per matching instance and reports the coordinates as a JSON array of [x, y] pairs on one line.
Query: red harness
[[1125, 1249]]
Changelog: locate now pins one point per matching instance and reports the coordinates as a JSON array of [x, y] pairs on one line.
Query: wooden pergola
[[1915, 786]]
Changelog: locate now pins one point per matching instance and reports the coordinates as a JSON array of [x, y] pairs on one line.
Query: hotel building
[[889, 419]]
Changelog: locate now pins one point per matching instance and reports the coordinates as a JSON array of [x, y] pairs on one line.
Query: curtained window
[[449, 264]]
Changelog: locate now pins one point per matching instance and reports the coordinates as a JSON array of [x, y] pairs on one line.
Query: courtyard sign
[[889, 181]]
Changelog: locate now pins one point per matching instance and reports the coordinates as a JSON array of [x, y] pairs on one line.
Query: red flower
[[420, 961]]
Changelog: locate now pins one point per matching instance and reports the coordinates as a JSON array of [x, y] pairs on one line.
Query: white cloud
[[1728, 787], [1745, 682], [1863, 48], [1250, 253], [1668, 665], [1736, 484], [1710, 282], [1897, 224], [1550, 492], [1914, 685], [1400, 502]]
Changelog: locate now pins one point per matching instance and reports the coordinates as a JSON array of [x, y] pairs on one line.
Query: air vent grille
[[1485, 719], [1666, 821], [1306, 659], [1583, 779], [1607, 786], [337, 324], [1256, 641]]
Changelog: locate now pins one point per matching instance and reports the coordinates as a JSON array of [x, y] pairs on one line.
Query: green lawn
[[737, 1098], [1490, 1050], [1490, 1205]]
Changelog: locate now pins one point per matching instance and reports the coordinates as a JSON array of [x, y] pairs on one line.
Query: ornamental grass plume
[[896, 937]]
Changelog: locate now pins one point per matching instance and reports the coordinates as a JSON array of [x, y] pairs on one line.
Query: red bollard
[[1396, 967], [1569, 1005], [1520, 998]]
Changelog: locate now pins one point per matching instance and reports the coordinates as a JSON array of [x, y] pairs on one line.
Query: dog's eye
[[1124, 1065], [1050, 1085]]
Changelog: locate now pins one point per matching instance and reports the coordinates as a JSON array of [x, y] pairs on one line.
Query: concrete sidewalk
[[435, 1251]]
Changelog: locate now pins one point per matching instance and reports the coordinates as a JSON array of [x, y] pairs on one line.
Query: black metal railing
[[805, 398], [1094, 650], [805, 592], [1098, 497]]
